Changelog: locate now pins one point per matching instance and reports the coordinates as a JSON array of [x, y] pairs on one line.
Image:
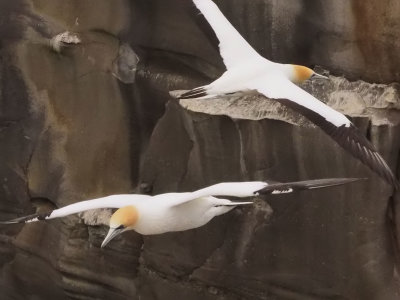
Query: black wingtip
[[396, 185], [8, 222], [349, 138], [27, 219], [290, 187], [360, 147], [328, 182]]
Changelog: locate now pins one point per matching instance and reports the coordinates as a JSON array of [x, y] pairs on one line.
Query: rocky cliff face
[[73, 126]]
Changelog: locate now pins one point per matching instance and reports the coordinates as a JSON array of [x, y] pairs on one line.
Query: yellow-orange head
[[123, 219], [302, 73], [125, 216]]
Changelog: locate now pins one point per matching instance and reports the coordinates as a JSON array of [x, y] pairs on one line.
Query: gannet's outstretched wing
[[234, 49], [296, 186], [114, 201], [251, 189], [332, 122]]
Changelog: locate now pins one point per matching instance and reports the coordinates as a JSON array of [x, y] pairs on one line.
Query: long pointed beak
[[112, 233], [318, 76]]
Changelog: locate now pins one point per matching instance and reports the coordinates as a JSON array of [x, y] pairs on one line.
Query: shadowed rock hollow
[[78, 124]]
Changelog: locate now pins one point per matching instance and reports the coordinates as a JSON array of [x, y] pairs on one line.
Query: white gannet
[[162, 213], [247, 71]]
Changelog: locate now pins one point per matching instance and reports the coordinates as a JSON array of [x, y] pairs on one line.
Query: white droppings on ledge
[[64, 39]]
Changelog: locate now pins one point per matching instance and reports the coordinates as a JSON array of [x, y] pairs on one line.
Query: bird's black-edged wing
[[290, 187], [29, 218], [113, 201], [350, 138], [329, 120], [233, 47]]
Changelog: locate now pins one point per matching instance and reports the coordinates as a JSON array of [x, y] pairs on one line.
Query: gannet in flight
[[162, 213], [248, 71]]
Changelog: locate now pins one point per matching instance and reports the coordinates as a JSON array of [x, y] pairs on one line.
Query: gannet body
[[168, 212]]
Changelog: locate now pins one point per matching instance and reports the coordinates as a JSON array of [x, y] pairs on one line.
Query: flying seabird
[[247, 71], [162, 213]]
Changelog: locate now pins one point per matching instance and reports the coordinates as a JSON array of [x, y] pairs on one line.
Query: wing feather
[[234, 49], [329, 120], [232, 189], [289, 187], [252, 188], [114, 201]]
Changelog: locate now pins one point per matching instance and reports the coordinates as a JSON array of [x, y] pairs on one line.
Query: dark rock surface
[[71, 130]]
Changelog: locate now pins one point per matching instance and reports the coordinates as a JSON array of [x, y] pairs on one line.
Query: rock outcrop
[[91, 120]]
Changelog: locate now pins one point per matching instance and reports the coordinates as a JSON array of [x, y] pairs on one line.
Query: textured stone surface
[[310, 241], [71, 129], [377, 102]]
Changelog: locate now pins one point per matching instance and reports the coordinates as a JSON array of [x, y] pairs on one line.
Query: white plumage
[[249, 71], [177, 211]]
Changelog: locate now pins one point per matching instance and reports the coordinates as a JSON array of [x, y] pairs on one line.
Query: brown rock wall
[[70, 130]]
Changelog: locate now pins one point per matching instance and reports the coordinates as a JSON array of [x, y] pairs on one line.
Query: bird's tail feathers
[[198, 92]]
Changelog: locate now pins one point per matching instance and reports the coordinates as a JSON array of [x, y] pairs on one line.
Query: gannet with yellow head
[[168, 212], [166, 218], [247, 71]]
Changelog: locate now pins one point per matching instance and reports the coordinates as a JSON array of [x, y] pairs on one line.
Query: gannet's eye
[[120, 227]]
